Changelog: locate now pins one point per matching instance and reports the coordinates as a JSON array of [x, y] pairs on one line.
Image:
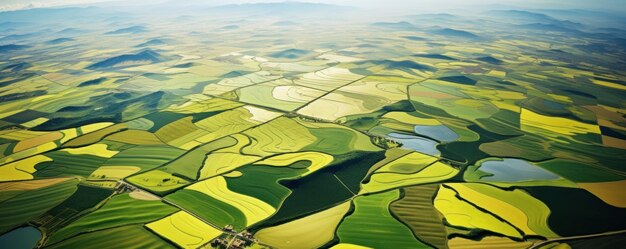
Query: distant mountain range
[[455, 33], [128, 30], [16, 67], [12, 47], [59, 41], [524, 17], [395, 25], [154, 42], [144, 57], [403, 65], [281, 8], [48, 14], [290, 53], [407, 26]]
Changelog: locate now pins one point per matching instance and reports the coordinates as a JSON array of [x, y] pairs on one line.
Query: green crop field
[[257, 124]]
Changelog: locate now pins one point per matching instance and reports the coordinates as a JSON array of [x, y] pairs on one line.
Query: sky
[[613, 5]]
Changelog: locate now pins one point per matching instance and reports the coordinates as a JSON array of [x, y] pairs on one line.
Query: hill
[[153, 42], [12, 47], [280, 8], [395, 25], [129, 30], [290, 53], [145, 57], [59, 41], [456, 33]]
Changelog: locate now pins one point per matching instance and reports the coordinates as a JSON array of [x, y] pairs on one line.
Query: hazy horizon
[[389, 5]]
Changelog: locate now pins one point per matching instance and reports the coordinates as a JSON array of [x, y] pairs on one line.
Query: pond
[[419, 144], [514, 170], [439, 132], [20, 238]]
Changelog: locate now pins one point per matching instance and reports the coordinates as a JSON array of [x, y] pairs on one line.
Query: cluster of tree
[[384, 142]]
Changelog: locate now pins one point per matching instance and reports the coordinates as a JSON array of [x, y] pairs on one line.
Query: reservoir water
[[20, 238]]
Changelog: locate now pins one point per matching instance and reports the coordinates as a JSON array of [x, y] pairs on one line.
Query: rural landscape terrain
[[307, 125]]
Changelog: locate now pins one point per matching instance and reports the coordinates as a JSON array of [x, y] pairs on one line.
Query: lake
[[20, 238]]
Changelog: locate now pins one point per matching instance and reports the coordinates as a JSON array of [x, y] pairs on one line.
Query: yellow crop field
[[94, 127], [498, 207], [348, 246], [390, 156], [30, 185], [338, 58], [203, 105], [389, 90], [22, 169], [359, 141], [496, 73], [218, 163], [608, 84], [184, 229], [318, 160], [312, 231], [242, 141], [556, 124], [308, 66], [260, 115], [225, 123], [506, 105], [278, 136], [536, 211], [21, 135], [136, 137], [384, 181], [461, 213], [333, 106], [297, 94], [410, 119], [69, 134], [176, 129], [233, 174], [100, 150], [36, 141], [361, 97], [94, 137], [229, 84], [248, 79], [29, 152], [215, 89], [114, 172], [327, 79], [187, 141], [254, 209], [28, 164], [408, 164]]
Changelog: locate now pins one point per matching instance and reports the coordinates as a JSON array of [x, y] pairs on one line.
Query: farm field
[[323, 124]]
